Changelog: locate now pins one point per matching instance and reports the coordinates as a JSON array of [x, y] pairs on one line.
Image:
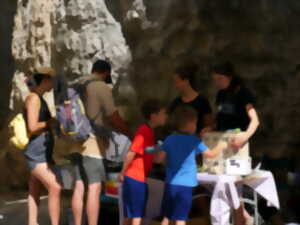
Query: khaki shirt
[[99, 105], [99, 101]]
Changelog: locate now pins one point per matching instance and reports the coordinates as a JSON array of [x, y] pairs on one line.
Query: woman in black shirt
[[235, 105], [184, 81], [235, 109]]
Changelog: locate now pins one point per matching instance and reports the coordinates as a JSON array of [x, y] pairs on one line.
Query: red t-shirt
[[143, 145]]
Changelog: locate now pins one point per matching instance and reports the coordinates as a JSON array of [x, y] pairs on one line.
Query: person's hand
[[222, 145], [205, 130], [239, 140], [121, 177]]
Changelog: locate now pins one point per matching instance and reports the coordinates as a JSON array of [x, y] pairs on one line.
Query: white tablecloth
[[224, 194]]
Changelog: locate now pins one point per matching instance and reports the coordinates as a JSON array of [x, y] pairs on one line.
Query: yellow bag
[[19, 132]]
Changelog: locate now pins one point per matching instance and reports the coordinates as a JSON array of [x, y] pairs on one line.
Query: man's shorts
[[177, 202], [89, 169], [135, 195]]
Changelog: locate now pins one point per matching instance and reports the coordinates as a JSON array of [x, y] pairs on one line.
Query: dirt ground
[[13, 208]]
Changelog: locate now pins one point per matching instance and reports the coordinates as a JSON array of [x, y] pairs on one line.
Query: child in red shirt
[[138, 163]]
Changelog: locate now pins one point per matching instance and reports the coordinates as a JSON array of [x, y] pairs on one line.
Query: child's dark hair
[[188, 72], [182, 115], [227, 69], [150, 107]]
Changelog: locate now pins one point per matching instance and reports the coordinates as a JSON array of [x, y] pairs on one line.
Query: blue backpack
[[70, 112]]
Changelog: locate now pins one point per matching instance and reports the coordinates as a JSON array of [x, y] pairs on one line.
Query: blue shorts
[[135, 195], [177, 202], [39, 150]]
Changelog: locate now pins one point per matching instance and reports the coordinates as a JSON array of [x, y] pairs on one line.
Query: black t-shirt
[[200, 104], [232, 111]]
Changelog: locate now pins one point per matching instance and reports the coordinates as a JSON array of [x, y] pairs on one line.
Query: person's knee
[[55, 188], [95, 187], [79, 188]]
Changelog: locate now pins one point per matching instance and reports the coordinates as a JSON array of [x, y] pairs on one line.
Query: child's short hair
[[151, 106], [182, 115]]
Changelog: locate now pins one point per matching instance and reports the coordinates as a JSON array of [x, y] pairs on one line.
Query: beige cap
[[46, 70]]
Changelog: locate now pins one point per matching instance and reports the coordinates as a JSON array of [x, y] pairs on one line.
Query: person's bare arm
[[211, 153], [33, 106], [103, 99], [159, 157], [254, 121], [119, 124], [128, 159], [243, 137]]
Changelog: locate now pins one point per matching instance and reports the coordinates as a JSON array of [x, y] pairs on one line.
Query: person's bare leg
[[165, 221], [238, 216], [246, 214], [180, 222], [44, 174], [33, 200], [77, 202], [243, 216], [127, 221], [136, 221], [93, 203]]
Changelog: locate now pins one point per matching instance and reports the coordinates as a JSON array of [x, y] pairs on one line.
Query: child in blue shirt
[[180, 151]]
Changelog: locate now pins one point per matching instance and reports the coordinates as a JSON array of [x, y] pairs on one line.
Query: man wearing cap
[[104, 115]]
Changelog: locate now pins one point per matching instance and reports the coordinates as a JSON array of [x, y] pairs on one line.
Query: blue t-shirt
[[181, 166]]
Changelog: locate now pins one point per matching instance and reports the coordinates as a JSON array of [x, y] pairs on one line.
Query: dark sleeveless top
[[45, 114], [40, 146]]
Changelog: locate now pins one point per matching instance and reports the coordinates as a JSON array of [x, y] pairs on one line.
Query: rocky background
[[145, 40]]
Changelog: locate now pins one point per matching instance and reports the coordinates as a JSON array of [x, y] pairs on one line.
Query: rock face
[[67, 35], [145, 40]]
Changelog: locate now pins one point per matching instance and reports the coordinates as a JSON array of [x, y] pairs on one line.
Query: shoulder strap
[[60, 89]]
